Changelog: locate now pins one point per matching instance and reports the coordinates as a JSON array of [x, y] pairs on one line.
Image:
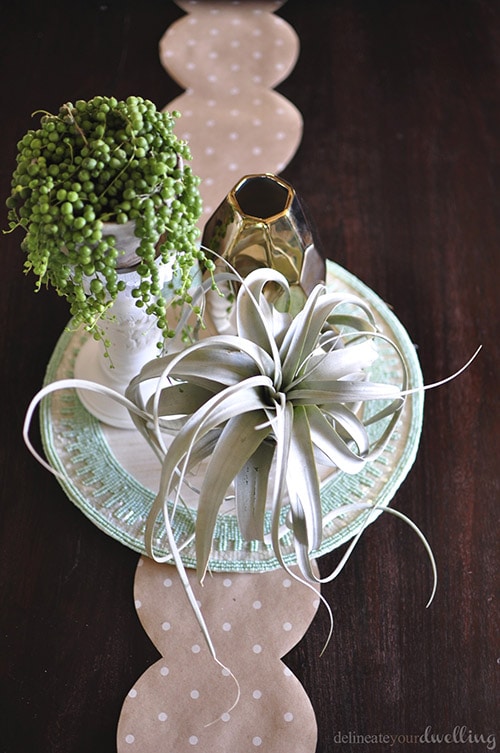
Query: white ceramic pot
[[133, 336]]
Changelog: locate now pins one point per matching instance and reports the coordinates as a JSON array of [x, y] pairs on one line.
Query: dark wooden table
[[400, 166]]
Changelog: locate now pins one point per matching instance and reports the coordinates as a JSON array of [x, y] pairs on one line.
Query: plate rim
[[231, 554]]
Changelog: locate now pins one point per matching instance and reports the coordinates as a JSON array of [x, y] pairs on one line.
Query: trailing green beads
[[99, 161]]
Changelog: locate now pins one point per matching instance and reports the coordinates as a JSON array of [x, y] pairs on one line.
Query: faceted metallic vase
[[262, 223]]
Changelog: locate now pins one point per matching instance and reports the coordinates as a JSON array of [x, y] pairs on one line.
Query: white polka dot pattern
[[254, 619], [228, 56]]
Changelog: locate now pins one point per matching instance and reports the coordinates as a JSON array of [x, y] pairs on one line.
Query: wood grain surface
[[400, 167]]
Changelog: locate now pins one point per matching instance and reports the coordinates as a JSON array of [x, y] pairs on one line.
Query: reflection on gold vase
[[262, 223]]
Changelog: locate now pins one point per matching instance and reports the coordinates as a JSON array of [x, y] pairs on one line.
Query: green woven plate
[[111, 474]]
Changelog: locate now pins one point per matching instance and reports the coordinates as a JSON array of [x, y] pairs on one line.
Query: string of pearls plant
[[96, 162]]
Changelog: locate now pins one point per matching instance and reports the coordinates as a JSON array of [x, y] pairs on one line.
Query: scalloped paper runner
[[253, 620], [227, 56]]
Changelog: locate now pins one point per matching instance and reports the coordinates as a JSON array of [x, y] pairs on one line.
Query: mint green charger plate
[[111, 474]]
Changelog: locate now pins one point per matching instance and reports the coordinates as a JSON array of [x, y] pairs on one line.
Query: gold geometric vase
[[262, 223]]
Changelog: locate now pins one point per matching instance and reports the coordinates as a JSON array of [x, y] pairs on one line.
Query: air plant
[[263, 408]]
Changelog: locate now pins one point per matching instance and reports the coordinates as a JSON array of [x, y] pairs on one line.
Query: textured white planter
[[132, 334]]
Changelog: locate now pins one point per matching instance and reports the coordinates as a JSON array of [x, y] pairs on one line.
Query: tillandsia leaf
[[348, 391], [307, 326], [251, 492], [63, 384], [339, 363], [373, 511], [282, 427], [238, 441], [179, 399], [219, 367], [231, 360], [254, 313], [348, 424], [255, 318], [244, 358], [237, 399], [335, 448], [302, 479], [352, 322], [204, 447], [292, 347]]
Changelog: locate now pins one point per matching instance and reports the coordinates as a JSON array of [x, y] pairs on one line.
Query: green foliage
[[105, 161]]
